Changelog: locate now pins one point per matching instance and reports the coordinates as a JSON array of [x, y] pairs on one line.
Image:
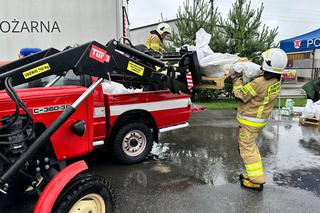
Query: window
[[299, 56]]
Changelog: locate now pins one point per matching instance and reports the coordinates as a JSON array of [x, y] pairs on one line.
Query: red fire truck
[[128, 124]]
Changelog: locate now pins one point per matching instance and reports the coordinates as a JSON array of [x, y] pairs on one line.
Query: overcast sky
[[294, 17]]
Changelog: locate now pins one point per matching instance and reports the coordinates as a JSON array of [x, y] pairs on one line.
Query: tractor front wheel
[[85, 194]]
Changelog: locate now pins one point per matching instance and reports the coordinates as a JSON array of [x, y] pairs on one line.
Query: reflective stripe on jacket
[[256, 98], [249, 121]]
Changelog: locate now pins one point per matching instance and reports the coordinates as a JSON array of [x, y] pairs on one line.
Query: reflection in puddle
[[305, 179], [136, 178], [210, 153], [312, 145], [161, 168], [205, 152], [290, 153]]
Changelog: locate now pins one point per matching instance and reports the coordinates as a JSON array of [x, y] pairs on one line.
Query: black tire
[[130, 156], [84, 185]]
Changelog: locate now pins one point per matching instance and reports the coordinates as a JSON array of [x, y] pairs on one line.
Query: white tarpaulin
[[111, 87], [249, 69], [311, 110], [212, 64]]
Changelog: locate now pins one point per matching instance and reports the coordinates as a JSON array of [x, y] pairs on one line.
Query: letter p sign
[[309, 42]]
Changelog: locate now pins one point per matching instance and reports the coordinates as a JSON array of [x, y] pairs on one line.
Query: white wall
[[71, 22]]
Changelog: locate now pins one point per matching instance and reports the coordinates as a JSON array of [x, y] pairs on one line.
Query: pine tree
[[240, 33], [190, 18], [243, 31]]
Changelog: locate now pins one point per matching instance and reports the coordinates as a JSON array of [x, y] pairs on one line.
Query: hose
[[13, 117], [19, 103]]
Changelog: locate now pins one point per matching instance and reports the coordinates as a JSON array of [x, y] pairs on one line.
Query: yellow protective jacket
[[154, 42], [256, 100]]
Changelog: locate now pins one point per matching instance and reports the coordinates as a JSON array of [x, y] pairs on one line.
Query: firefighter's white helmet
[[274, 60], [164, 28]]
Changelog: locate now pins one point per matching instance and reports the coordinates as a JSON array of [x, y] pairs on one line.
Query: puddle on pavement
[[291, 154], [208, 155]]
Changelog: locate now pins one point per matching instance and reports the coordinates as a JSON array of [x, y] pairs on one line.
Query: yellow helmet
[[274, 60]]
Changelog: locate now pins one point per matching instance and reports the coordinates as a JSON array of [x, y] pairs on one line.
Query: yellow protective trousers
[[250, 154]]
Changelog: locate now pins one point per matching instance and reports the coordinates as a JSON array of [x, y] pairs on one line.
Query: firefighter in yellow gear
[[255, 103], [157, 36]]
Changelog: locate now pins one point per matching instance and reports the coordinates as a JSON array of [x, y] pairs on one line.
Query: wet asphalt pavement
[[196, 170]]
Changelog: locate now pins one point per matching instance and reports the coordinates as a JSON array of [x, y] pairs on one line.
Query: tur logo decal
[[297, 44], [99, 54]]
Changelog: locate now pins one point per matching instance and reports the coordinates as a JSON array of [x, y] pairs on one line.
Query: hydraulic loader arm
[[93, 59]]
